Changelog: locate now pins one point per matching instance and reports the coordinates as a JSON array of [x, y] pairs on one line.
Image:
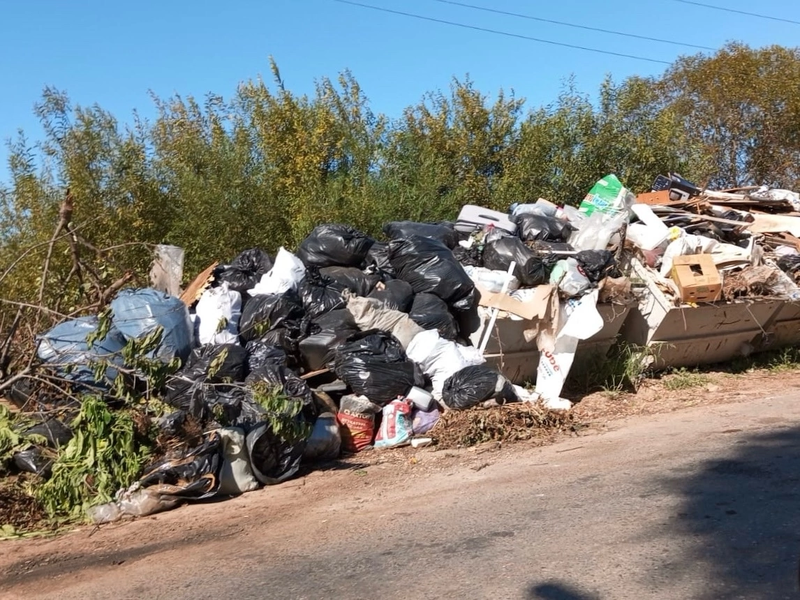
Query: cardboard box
[[697, 278]]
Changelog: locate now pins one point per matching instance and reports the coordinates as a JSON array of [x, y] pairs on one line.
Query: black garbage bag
[[430, 312], [596, 264], [193, 476], [531, 270], [429, 266], [378, 256], [245, 270], [260, 353], [532, 227], [790, 265], [273, 458], [361, 283], [469, 257], [334, 246], [331, 330], [374, 364], [396, 295], [443, 232], [289, 384], [320, 294], [208, 375], [52, 430], [476, 384], [263, 314]]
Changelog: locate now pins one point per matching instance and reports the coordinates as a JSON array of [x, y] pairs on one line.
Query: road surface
[[701, 503]]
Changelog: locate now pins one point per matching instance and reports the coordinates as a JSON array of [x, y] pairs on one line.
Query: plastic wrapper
[[430, 312], [260, 353], [64, 348], [474, 385], [359, 282], [318, 350], [596, 230], [334, 246], [262, 314], [442, 232], [607, 196], [245, 270], [325, 442], [531, 227], [139, 312], [395, 427], [236, 475], [395, 295], [378, 256], [429, 266], [286, 274], [217, 316], [356, 418], [531, 270], [373, 364], [320, 294]]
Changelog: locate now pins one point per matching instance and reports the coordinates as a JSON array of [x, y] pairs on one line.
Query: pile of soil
[[19, 510], [510, 423]]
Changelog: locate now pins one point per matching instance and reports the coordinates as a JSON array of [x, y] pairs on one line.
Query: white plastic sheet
[[286, 274], [217, 316]]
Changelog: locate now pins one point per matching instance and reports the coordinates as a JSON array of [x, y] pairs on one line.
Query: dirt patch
[[18, 511], [511, 423]]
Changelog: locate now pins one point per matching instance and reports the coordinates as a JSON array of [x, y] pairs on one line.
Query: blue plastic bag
[[138, 312]]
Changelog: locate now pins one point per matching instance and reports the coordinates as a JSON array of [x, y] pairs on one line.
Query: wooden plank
[[198, 286]]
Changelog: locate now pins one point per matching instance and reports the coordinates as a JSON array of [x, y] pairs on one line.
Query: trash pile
[[268, 362], [705, 246]]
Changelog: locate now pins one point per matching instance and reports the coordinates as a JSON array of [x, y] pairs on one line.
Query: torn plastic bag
[[596, 230], [430, 312], [374, 364], [195, 476], [395, 294], [531, 227], [262, 314], [272, 457], [356, 418], [429, 266], [325, 442], [395, 428], [531, 270], [422, 421], [439, 358], [217, 316], [570, 278], [236, 475], [139, 312], [361, 283], [476, 384], [245, 270], [36, 460], [442, 232], [194, 388], [318, 350], [286, 274], [320, 294], [596, 264], [64, 348], [134, 502], [260, 353], [334, 246], [378, 256], [469, 257]]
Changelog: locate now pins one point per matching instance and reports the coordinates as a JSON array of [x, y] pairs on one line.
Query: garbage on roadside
[[354, 342]]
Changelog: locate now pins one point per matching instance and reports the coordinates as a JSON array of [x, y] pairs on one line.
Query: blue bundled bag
[[138, 312]]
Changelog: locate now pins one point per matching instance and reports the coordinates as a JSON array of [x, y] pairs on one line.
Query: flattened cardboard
[[536, 308]]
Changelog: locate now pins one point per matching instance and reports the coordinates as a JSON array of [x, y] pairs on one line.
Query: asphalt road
[[702, 503]]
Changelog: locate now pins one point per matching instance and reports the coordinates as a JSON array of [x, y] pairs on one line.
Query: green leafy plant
[[281, 412]]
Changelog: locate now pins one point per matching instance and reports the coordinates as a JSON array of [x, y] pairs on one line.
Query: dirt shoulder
[[358, 481]]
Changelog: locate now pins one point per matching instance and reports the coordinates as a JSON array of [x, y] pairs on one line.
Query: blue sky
[[114, 53]]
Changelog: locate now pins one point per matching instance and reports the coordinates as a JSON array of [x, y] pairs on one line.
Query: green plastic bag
[[607, 196]]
